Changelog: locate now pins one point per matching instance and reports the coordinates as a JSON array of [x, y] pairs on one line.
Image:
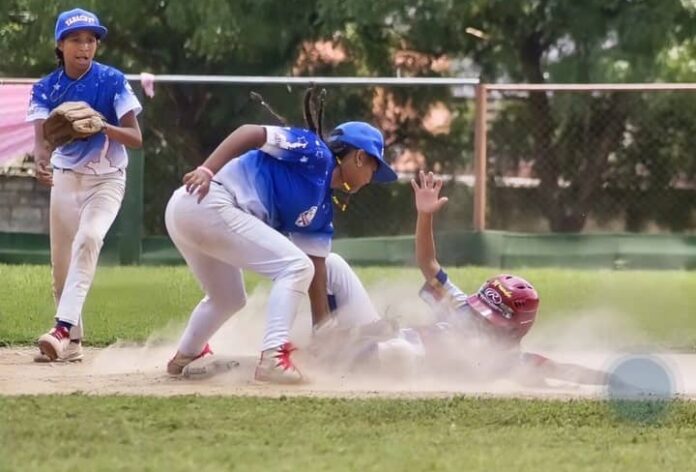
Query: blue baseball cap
[[78, 19], [361, 135]]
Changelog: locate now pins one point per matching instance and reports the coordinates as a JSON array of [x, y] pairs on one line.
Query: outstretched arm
[[543, 368], [575, 373], [241, 140], [428, 202]]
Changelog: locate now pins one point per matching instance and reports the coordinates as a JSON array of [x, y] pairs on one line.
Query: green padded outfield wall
[[491, 249]]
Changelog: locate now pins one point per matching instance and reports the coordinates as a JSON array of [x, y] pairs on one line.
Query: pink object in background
[[147, 81], [16, 135]]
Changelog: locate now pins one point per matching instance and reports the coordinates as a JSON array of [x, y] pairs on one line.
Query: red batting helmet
[[507, 302]]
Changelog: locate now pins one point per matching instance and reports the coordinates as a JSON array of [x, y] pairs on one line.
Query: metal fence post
[[131, 221], [480, 135]]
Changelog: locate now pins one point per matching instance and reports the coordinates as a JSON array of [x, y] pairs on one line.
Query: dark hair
[[314, 117], [259, 99], [313, 113], [339, 148], [59, 57]]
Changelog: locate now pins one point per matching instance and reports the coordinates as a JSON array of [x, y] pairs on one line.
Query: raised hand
[[427, 193]]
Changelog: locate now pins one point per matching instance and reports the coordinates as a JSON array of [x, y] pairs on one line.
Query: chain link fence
[[591, 160], [184, 122], [561, 159]]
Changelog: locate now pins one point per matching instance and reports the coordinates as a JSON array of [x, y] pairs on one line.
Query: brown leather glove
[[70, 121]]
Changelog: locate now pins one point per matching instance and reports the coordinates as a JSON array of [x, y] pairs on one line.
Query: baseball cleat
[[207, 366], [276, 366], [41, 358], [176, 364], [202, 366], [53, 344], [72, 353]]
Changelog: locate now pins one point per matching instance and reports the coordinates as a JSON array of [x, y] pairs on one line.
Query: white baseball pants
[[218, 241], [353, 305], [83, 208]]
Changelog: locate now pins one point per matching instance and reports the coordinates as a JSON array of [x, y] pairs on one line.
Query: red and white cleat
[[53, 344], [276, 366], [202, 366]]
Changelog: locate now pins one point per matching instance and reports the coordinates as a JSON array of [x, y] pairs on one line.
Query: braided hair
[[313, 112], [59, 57], [314, 119]]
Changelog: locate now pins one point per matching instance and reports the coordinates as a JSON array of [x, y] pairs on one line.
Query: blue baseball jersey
[[287, 184], [106, 90]]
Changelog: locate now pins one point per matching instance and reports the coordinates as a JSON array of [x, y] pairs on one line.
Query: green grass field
[[212, 434], [130, 303], [76, 432]]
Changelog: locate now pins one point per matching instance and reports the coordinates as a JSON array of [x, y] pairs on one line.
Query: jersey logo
[[306, 217], [280, 140]]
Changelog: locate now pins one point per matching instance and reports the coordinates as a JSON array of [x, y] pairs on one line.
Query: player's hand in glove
[[70, 121]]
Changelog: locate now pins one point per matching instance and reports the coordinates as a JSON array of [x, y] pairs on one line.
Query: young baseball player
[[88, 176], [262, 201], [473, 335]]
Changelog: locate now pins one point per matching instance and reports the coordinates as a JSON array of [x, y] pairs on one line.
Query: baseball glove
[[70, 121]]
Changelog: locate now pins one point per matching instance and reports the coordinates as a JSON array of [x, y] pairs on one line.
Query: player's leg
[[224, 296], [64, 219], [359, 337], [355, 326], [222, 283], [349, 301], [224, 290], [242, 240], [101, 198], [66, 206]]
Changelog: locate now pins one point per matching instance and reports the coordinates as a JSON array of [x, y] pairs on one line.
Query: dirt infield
[[139, 370]]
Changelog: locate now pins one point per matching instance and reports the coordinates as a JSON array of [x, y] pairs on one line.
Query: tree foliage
[[576, 145]]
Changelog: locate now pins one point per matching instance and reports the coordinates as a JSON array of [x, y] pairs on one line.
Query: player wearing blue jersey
[[87, 176], [263, 201], [475, 336]]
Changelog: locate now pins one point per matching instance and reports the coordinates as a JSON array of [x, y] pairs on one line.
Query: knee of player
[[301, 268], [88, 238], [230, 304], [334, 262], [237, 301]]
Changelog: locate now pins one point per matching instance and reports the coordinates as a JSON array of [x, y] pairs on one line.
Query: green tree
[[571, 140], [183, 122]]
